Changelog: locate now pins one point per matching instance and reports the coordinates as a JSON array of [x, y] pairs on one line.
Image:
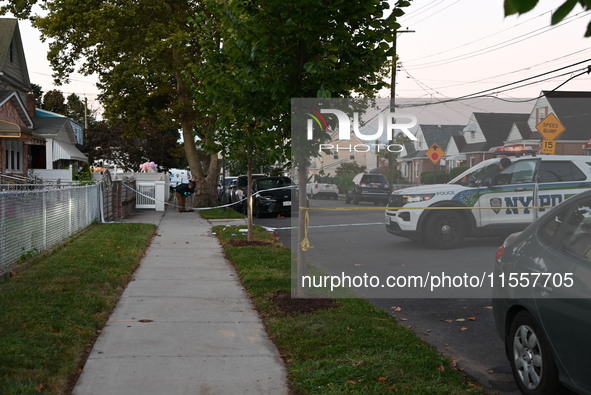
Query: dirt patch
[[287, 304], [246, 243]]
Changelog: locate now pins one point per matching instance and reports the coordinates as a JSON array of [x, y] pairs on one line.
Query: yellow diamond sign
[[435, 153], [550, 127]]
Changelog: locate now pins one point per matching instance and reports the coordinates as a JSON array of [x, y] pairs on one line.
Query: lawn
[[53, 309], [336, 346]]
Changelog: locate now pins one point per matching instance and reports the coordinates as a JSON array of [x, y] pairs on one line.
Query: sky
[[455, 48], [459, 48]]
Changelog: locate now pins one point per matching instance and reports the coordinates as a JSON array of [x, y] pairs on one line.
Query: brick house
[[486, 131], [572, 109], [414, 161]]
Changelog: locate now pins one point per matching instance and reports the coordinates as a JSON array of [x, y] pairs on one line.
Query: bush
[[453, 173], [431, 177], [344, 182]]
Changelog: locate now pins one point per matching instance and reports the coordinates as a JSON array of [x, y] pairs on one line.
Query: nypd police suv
[[486, 200]]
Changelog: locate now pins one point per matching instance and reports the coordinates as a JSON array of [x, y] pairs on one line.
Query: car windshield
[[270, 183], [476, 174]]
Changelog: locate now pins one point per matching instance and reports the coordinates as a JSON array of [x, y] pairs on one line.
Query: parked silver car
[[542, 300], [224, 189]]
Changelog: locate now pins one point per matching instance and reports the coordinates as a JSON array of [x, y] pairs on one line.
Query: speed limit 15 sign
[[548, 147]]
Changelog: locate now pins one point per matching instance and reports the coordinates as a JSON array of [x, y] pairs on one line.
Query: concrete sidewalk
[[184, 325]]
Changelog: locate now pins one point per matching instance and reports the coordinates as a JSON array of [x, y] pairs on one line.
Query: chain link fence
[[35, 219]]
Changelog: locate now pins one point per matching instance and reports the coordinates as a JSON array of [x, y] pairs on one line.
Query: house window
[[471, 161], [541, 114], [14, 154], [335, 155], [352, 157]]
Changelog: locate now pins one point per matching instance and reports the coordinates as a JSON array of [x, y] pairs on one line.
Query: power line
[[489, 92], [482, 38], [498, 46], [499, 75]]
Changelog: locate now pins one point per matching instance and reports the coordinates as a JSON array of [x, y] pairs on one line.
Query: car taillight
[[507, 242], [315, 186], [386, 186], [500, 252]]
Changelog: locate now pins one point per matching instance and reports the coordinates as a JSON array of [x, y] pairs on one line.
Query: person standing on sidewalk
[[182, 191]]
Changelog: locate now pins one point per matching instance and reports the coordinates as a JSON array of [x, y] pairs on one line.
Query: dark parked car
[[369, 188], [542, 299], [273, 195], [238, 191]]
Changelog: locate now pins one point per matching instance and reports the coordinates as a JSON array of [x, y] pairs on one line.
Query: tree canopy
[[109, 142], [523, 6], [227, 77], [139, 50]]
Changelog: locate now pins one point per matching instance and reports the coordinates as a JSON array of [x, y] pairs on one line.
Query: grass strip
[[53, 310], [220, 213], [353, 347]]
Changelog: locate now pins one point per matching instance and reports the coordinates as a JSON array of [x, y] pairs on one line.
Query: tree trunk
[[249, 221], [206, 170], [300, 291]]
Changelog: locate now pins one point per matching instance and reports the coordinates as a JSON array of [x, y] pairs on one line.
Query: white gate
[[146, 196]]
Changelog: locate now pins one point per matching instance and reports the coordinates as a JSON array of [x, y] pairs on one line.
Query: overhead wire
[[498, 46], [495, 47], [483, 38], [493, 92]]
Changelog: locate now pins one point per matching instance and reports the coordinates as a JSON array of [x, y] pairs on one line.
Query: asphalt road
[[353, 240]]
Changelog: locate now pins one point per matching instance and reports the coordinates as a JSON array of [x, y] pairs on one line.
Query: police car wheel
[[445, 229]]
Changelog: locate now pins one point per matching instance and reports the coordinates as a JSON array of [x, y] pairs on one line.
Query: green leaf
[[323, 94], [519, 6], [562, 11]]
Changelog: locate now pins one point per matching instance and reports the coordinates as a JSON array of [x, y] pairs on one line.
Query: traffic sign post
[[550, 127], [435, 154], [548, 147]]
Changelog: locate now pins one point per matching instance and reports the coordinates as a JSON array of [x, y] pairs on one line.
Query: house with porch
[[414, 161], [24, 130], [352, 150]]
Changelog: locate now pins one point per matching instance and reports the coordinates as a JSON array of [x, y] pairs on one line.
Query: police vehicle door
[[506, 203], [557, 181]]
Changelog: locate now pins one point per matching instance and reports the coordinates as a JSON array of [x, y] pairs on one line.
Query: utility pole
[[391, 158], [85, 119]]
